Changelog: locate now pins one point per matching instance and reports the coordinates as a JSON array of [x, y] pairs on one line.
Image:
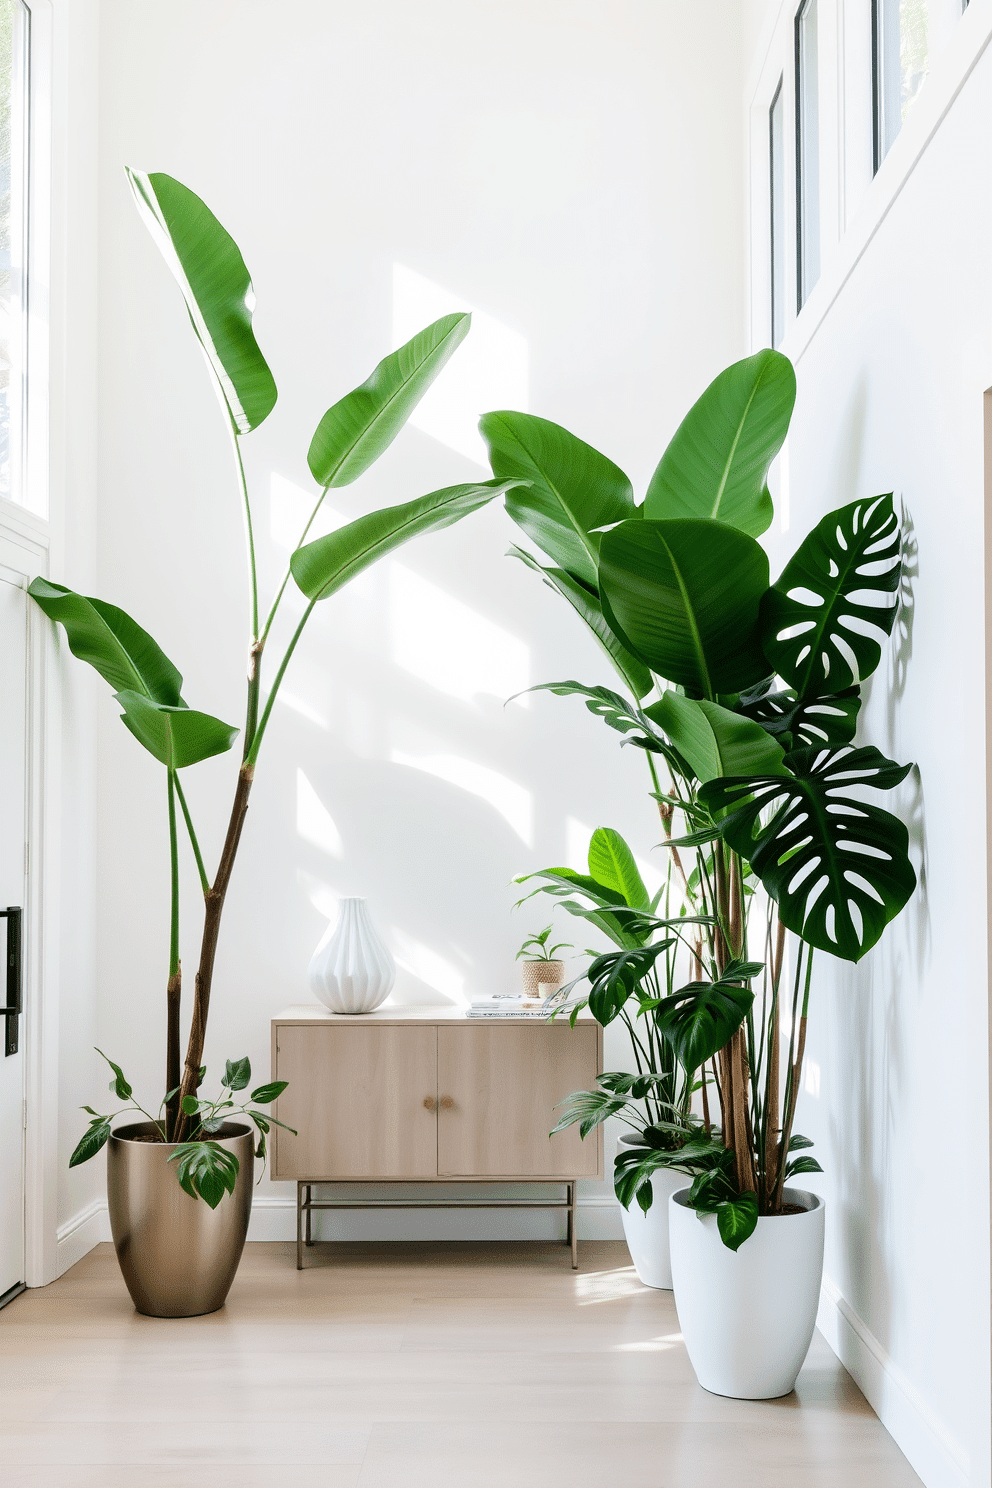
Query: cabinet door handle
[[428, 1103], [446, 1103]]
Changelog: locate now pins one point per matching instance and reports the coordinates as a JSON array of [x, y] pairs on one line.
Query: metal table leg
[[299, 1226], [572, 1232], [308, 1212]]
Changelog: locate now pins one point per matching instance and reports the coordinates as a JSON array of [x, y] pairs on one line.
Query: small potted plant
[[747, 693], [542, 972], [179, 1183]]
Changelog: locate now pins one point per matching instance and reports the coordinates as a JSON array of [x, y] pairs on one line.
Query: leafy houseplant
[[536, 948], [748, 693], [352, 434]]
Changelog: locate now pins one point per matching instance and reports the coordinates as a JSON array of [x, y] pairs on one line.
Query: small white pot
[[748, 1316], [647, 1234], [351, 971]]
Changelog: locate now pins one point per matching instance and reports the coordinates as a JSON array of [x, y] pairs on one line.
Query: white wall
[[893, 355], [572, 171]]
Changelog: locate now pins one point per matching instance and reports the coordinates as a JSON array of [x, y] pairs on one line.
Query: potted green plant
[[193, 1151], [747, 693], [541, 968]]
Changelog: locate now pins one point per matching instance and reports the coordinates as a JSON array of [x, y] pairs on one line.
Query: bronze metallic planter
[[178, 1256]]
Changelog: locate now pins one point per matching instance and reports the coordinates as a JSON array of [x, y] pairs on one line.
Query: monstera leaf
[[803, 722], [837, 866], [816, 632], [717, 463], [585, 601], [715, 741], [217, 289], [700, 1018], [573, 490], [112, 643], [684, 596], [356, 430]]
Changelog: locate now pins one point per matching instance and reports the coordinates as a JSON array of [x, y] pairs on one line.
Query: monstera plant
[[147, 686], [744, 696]]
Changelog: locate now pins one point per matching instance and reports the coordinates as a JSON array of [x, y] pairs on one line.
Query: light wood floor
[[406, 1366]]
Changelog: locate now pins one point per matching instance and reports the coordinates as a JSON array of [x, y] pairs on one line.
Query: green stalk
[[204, 880], [174, 867], [249, 535], [252, 754], [173, 994]]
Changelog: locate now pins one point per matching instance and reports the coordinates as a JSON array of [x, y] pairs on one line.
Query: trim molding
[[78, 1235], [918, 1432]]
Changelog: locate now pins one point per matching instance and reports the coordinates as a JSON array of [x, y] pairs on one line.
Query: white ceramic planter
[[351, 971], [748, 1316], [647, 1234]]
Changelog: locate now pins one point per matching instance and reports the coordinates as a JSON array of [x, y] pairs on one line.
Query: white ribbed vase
[[351, 971]]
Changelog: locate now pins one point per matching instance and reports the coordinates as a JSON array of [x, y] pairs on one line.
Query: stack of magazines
[[521, 1005]]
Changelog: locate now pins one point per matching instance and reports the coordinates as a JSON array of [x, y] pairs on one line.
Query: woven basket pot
[[543, 976]]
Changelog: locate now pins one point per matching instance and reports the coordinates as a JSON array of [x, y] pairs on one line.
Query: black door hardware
[[12, 1011]]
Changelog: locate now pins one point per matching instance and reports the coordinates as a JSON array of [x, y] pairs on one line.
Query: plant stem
[[173, 991], [249, 535], [208, 946], [204, 880], [252, 755], [795, 1076]]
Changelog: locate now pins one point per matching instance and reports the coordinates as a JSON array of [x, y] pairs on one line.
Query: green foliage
[[535, 947], [206, 1170], [714, 741], [813, 625], [827, 718], [717, 463], [702, 1016], [567, 491], [363, 424], [216, 286], [837, 867], [111, 642], [177, 737], [684, 596], [323, 567], [611, 864]]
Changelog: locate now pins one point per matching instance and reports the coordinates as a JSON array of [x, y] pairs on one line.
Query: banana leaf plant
[[147, 686], [744, 696]]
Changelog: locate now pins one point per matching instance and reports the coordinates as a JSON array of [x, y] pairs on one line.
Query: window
[[15, 34], [776, 142], [807, 152], [901, 61]]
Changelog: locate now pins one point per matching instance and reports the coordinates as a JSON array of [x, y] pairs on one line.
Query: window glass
[[776, 142], [902, 60], [15, 21], [807, 151]]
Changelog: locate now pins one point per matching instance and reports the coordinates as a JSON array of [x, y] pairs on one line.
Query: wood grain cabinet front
[[379, 1098]]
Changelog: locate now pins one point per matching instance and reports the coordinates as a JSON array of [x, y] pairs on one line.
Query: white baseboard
[[275, 1219], [79, 1234], [920, 1435]]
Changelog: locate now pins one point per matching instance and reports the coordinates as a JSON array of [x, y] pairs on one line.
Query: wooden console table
[[427, 1095]]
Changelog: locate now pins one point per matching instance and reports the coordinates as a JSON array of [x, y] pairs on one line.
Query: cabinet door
[[503, 1081], [356, 1098]]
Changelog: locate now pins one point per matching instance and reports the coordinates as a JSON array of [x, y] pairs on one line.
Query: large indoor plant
[[748, 693], [199, 1154]]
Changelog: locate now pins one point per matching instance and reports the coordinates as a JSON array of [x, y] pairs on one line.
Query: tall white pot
[[748, 1316], [351, 971], [647, 1234]]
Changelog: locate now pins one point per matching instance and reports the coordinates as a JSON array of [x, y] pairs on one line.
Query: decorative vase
[[543, 976], [177, 1255], [351, 971], [647, 1234], [748, 1316]]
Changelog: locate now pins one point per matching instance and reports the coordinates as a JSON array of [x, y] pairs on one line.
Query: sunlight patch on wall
[[289, 510], [512, 801], [452, 647], [314, 822], [325, 900], [489, 369], [428, 966], [812, 1078]]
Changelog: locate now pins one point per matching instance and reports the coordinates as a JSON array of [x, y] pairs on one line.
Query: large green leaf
[[611, 864], [573, 490], [700, 1018], [322, 567], [217, 289], [717, 463], [817, 633], [585, 602], [587, 900], [837, 867], [176, 736], [828, 718], [737, 1220], [715, 741], [684, 596], [112, 643], [356, 430], [617, 713]]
